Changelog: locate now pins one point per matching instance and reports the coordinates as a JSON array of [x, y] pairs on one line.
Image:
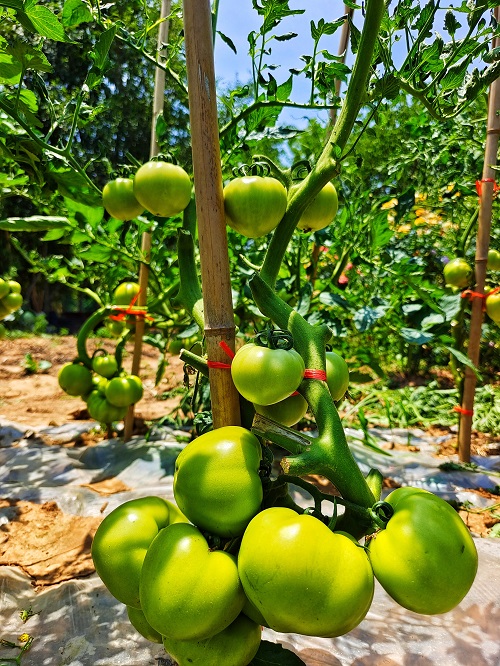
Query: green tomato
[[493, 260], [254, 205], [122, 539], [124, 391], [12, 301], [103, 411], [4, 288], [236, 645], [125, 293], [302, 577], [265, 376], [105, 365], [189, 592], [139, 622], [337, 375], [14, 287], [425, 558], [493, 307], [119, 200], [75, 379], [3, 332], [321, 211], [115, 327], [457, 273], [164, 189], [288, 412], [216, 480]]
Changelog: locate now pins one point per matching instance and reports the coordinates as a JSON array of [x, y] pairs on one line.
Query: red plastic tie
[[471, 295], [130, 310], [310, 373], [461, 410], [218, 364], [479, 185]]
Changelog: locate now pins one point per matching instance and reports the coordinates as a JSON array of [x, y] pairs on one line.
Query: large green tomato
[[425, 558], [122, 539], [125, 293], [337, 375], [493, 307], [493, 260], [265, 376], [236, 645], [457, 273], [4, 288], [216, 481], [105, 365], [189, 592], [164, 189], [254, 205], [119, 200], [103, 411], [124, 391], [139, 622], [12, 301], [75, 379], [288, 412], [321, 211], [14, 287], [302, 577]]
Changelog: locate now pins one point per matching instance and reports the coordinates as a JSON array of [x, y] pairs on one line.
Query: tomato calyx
[[255, 169], [381, 512], [274, 338]]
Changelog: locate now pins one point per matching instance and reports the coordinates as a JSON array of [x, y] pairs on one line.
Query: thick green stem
[[86, 330], [327, 166], [190, 291]]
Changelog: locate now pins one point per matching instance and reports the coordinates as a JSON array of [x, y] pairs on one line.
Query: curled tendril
[[332, 523], [300, 169], [255, 169], [313, 511], [275, 338], [382, 512]]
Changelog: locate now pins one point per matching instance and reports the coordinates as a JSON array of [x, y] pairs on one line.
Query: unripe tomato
[[119, 200], [125, 293], [265, 376], [14, 287], [493, 306], [164, 189], [254, 205], [425, 558], [337, 375], [103, 411], [124, 391], [216, 480], [288, 412], [3, 331], [236, 645], [493, 260], [139, 622], [189, 592], [4, 288], [302, 577], [122, 539], [321, 211], [12, 301], [457, 273], [105, 365], [115, 327], [75, 379]]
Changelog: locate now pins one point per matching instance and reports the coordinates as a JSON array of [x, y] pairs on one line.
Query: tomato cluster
[[107, 390], [162, 188], [202, 577], [10, 297]]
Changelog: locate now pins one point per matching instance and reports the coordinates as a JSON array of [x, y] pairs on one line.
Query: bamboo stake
[[342, 52], [216, 282], [482, 245], [158, 102]]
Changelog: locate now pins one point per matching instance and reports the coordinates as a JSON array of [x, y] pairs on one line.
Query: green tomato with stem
[[493, 263], [288, 412], [105, 365], [163, 189], [337, 375], [119, 200], [254, 205], [75, 379], [321, 211], [457, 273], [493, 307]]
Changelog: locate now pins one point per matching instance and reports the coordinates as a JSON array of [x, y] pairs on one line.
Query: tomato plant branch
[[189, 294]]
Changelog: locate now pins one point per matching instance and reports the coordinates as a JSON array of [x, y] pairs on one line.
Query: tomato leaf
[[33, 223], [75, 12], [415, 337], [227, 40], [274, 654], [45, 22]]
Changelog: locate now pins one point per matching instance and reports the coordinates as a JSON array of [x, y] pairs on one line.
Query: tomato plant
[[321, 211], [216, 481], [75, 379], [457, 273], [119, 200], [254, 205], [425, 558], [163, 189]]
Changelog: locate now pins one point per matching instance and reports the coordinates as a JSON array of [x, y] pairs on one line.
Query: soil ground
[[35, 399]]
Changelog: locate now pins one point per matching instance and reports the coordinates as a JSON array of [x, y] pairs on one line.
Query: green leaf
[[366, 316], [415, 337], [54, 234], [274, 654], [462, 358], [455, 74], [284, 90], [97, 253], [102, 47], [81, 212], [33, 223], [72, 185], [10, 69], [75, 12], [450, 305], [12, 4], [328, 298], [286, 37], [45, 22], [450, 23], [227, 40]]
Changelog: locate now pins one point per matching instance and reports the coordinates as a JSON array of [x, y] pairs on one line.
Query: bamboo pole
[[158, 102], [342, 53], [482, 245], [216, 282]]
